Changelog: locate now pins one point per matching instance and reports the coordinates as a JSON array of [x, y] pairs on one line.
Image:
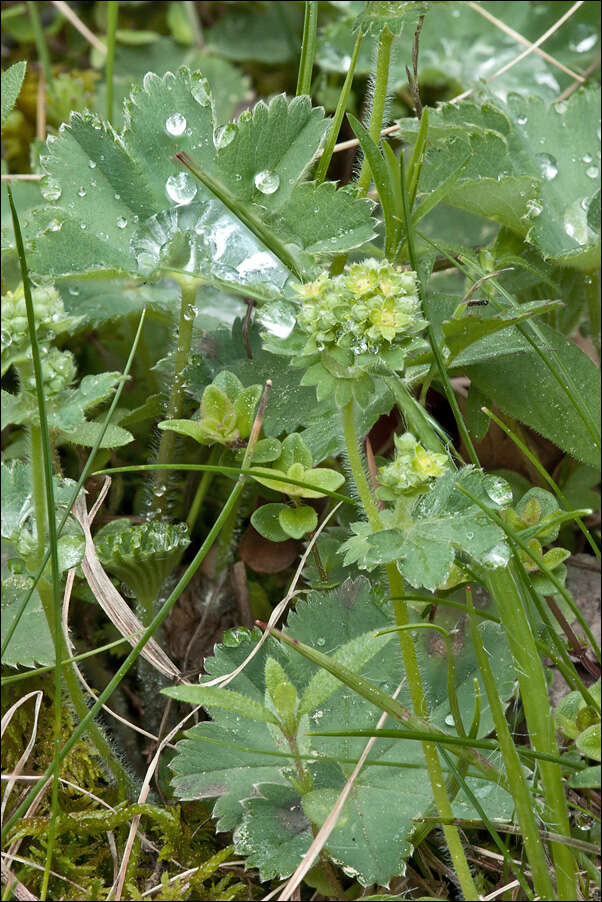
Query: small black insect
[[478, 302]]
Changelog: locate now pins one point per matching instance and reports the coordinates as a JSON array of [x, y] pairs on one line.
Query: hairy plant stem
[[337, 119], [78, 699], [504, 588], [188, 286], [112, 19], [408, 651], [383, 59]]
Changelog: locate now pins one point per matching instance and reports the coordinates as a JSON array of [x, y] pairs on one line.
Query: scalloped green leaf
[[243, 763], [212, 697], [122, 204], [445, 522], [532, 170], [389, 14], [18, 520]]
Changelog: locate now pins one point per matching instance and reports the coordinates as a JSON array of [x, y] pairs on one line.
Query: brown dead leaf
[[264, 556]]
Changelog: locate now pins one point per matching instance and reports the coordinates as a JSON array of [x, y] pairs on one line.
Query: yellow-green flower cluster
[[412, 469], [371, 306]]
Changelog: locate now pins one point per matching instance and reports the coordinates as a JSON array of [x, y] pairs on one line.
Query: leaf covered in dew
[[121, 203], [532, 168], [244, 764]]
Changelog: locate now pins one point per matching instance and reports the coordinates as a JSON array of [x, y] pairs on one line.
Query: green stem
[[40, 41], [383, 59], [357, 468], [337, 120], [533, 460], [195, 23], [78, 699], [308, 48], [36, 457], [447, 387], [112, 17], [176, 394], [540, 723], [201, 491], [410, 659], [514, 769]]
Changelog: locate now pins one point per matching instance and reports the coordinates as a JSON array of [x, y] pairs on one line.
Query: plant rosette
[[278, 521], [226, 414], [534, 520], [353, 327]]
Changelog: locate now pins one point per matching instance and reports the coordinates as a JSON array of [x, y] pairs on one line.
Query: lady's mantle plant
[[352, 327]]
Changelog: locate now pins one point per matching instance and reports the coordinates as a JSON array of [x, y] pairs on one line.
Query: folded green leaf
[[212, 697]]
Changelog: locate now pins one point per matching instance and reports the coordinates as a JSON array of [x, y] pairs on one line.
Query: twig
[[522, 40], [532, 48], [77, 23]]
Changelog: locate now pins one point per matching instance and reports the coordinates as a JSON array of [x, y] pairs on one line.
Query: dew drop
[[224, 135], [583, 42], [91, 164], [55, 225], [200, 92], [122, 222], [82, 191], [586, 158], [51, 191], [83, 226], [498, 490], [267, 181], [117, 196], [449, 720], [180, 188], [547, 165], [321, 641], [592, 172], [522, 120], [175, 124]]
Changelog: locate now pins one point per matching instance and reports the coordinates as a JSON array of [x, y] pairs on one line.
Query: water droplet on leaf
[[180, 188], [267, 181], [547, 165], [200, 92], [175, 124], [224, 135], [51, 191]]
